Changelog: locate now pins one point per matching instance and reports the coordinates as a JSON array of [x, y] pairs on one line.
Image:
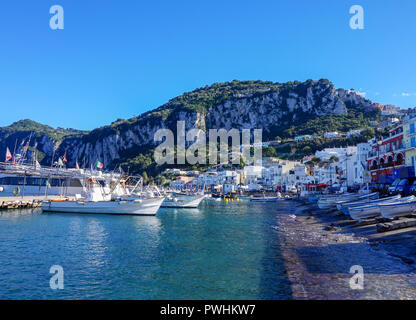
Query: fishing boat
[[373, 210], [264, 198], [183, 201], [313, 199], [329, 201], [148, 207], [345, 207], [98, 201], [332, 201], [214, 199], [357, 198], [397, 209]]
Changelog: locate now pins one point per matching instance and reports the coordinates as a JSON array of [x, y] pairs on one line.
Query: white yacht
[[98, 201]]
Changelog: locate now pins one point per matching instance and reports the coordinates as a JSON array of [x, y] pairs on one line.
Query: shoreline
[[319, 248]]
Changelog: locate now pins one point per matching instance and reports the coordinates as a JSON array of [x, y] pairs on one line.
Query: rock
[[331, 227]]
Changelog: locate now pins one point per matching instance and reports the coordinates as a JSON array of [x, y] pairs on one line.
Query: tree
[[333, 159], [315, 160], [145, 177], [242, 163], [269, 152], [368, 133], [160, 180], [307, 150]]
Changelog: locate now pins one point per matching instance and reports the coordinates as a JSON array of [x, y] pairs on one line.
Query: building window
[[413, 161], [412, 128], [413, 142]]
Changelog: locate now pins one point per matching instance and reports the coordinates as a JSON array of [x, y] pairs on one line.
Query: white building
[[331, 135], [302, 138], [327, 153], [252, 174], [328, 174], [230, 177], [355, 132], [360, 166]]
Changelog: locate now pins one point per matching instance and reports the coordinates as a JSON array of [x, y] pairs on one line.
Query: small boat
[[214, 199], [330, 201], [266, 199], [182, 201], [397, 209], [357, 199], [373, 210], [314, 199], [345, 207]]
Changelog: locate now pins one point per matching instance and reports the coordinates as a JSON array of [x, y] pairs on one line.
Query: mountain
[[280, 109]]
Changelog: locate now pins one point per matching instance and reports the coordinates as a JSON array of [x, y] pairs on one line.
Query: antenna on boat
[[14, 151]]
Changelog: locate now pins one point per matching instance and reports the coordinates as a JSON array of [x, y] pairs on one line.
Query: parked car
[[412, 189], [402, 187], [392, 189]]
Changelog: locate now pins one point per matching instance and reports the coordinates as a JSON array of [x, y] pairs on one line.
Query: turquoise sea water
[[218, 251]]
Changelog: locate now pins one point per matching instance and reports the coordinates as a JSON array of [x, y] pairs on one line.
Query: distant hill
[[280, 109]]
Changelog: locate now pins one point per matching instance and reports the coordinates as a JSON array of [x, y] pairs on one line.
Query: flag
[[120, 170], [48, 185], [64, 158], [99, 165], [8, 155], [60, 163], [76, 165]]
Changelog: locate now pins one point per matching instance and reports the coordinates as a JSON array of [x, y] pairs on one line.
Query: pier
[[26, 202]]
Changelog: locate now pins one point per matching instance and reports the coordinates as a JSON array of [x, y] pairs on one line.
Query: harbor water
[[218, 251]]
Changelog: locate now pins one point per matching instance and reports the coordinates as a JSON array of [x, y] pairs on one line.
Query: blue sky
[[118, 59]]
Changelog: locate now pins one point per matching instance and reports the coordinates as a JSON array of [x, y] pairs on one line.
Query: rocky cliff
[[273, 107]]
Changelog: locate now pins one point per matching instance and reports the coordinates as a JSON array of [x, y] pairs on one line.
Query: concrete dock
[[10, 203]]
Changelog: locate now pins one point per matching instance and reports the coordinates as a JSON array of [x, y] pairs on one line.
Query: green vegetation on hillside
[[28, 125], [354, 119]]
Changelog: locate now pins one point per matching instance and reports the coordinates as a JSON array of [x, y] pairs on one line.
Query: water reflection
[[96, 242], [18, 214], [151, 223]]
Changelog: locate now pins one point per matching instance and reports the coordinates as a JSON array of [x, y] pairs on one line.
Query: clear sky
[[118, 59]]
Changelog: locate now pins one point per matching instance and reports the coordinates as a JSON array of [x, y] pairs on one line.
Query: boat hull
[[360, 213], [267, 199], [182, 201], [143, 207], [397, 209], [346, 208]]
